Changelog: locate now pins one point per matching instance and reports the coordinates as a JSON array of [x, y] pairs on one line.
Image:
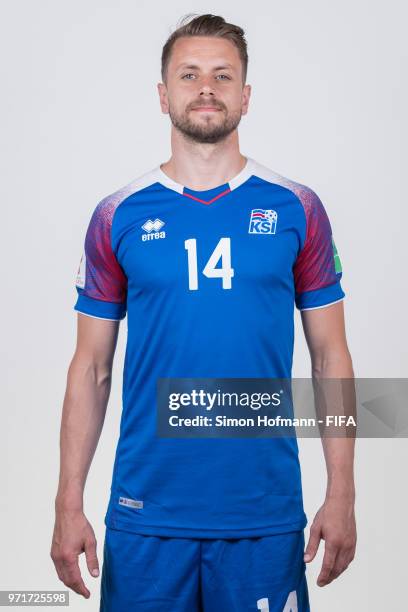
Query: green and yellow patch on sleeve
[[337, 262]]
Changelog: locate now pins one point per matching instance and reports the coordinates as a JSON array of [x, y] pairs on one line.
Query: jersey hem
[[100, 309], [188, 532], [322, 305], [95, 317], [323, 296]]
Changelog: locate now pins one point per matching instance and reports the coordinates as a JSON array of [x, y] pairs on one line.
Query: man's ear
[[246, 94], [164, 103]]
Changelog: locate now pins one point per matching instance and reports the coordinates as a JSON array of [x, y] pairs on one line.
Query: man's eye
[[190, 74], [224, 75]]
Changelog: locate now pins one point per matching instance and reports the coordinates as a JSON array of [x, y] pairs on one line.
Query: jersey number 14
[[222, 251]]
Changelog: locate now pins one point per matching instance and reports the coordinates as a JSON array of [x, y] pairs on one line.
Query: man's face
[[204, 94]]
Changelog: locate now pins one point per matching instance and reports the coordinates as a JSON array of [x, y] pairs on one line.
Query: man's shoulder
[[305, 194], [109, 203]]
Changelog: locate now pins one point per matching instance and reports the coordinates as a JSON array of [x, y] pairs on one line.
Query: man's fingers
[[91, 557], [329, 560], [76, 583], [79, 587], [71, 575], [343, 560], [313, 544]]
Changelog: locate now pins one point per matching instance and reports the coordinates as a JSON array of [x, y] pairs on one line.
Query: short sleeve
[[101, 283], [317, 270]]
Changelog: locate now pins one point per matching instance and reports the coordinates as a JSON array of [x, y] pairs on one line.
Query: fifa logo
[[263, 221]]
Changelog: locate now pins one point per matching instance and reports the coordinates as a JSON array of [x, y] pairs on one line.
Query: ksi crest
[[263, 221]]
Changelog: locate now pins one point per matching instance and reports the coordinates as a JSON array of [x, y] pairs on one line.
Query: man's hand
[[335, 523], [73, 535]]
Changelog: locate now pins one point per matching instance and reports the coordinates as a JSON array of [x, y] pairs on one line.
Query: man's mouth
[[205, 108]]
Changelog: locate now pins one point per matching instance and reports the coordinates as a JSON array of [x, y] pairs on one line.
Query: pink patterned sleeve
[[101, 283], [317, 270]]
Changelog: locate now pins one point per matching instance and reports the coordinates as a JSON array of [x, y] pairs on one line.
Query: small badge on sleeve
[[80, 279], [337, 262]]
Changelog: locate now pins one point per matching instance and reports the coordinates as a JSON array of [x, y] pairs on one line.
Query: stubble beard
[[205, 132]]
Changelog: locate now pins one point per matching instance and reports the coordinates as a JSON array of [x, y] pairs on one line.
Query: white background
[[81, 118]]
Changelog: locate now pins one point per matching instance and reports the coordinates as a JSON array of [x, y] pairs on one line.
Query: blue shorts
[[167, 574]]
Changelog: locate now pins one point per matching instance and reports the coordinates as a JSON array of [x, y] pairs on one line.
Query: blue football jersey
[[209, 281]]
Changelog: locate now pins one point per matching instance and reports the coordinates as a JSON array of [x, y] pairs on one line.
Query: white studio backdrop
[[80, 118]]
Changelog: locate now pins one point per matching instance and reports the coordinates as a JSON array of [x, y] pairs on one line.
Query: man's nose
[[206, 87]]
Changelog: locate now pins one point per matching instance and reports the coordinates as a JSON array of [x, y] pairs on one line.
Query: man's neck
[[204, 166]]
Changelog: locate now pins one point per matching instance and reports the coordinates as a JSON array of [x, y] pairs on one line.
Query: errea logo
[[152, 229], [263, 221]]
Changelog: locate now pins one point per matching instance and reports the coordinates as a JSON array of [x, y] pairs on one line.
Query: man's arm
[[86, 397], [335, 521]]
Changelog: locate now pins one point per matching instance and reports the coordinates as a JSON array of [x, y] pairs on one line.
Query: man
[[207, 254]]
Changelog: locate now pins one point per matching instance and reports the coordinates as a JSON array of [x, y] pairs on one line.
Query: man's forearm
[[84, 409], [334, 378], [339, 455]]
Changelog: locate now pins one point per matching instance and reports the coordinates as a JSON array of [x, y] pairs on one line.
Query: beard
[[205, 131]]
